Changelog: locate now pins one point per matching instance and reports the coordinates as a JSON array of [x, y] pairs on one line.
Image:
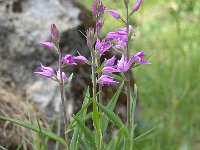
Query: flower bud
[[90, 37], [94, 9], [55, 34], [114, 13], [80, 59], [99, 24], [126, 2], [64, 77], [49, 45], [136, 6]]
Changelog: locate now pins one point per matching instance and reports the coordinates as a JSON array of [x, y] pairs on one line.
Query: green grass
[[169, 89]]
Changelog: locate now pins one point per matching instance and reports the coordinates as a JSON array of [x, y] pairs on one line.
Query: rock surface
[[23, 24]]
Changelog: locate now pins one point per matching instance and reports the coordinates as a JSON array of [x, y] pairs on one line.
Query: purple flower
[[49, 45], [109, 66], [55, 33], [136, 6], [80, 59], [99, 24], [68, 59], [107, 70], [110, 62], [47, 72], [120, 37], [98, 45], [114, 13], [138, 58], [102, 47], [64, 77], [124, 65], [105, 79]]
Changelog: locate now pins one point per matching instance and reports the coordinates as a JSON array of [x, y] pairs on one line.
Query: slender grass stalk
[[62, 95]]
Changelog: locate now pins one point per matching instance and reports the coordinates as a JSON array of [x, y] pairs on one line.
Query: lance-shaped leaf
[[111, 105], [88, 133], [45, 132]]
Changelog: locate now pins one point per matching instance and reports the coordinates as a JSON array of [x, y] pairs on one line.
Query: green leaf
[[69, 81], [2, 148], [88, 133], [75, 139], [144, 134], [120, 78], [133, 105], [46, 133], [120, 139], [111, 105], [100, 68], [71, 125], [117, 142], [41, 134], [84, 144], [77, 131], [58, 133], [115, 119], [111, 144]]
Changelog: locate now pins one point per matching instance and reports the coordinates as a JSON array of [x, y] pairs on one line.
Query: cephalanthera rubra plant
[[103, 74]]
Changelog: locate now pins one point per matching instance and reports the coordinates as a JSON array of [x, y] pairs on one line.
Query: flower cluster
[[123, 65], [49, 72], [120, 37], [119, 40]]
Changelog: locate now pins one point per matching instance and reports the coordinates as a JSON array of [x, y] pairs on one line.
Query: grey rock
[[24, 23]]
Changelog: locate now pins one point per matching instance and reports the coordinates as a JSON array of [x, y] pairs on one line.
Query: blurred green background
[[169, 89]]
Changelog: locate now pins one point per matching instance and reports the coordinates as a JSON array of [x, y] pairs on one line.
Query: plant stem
[[95, 109], [94, 80], [99, 74], [62, 95], [128, 74]]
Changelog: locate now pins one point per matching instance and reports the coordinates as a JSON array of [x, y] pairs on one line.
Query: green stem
[[128, 75], [95, 109]]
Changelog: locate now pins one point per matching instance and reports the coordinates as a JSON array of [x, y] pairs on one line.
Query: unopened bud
[[136, 6], [99, 24], [126, 2], [114, 13], [90, 37], [55, 34]]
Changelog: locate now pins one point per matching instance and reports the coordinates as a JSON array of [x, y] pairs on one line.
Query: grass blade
[[111, 105], [46, 133], [144, 134], [77, 132], [88, 133], [111, 115]]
